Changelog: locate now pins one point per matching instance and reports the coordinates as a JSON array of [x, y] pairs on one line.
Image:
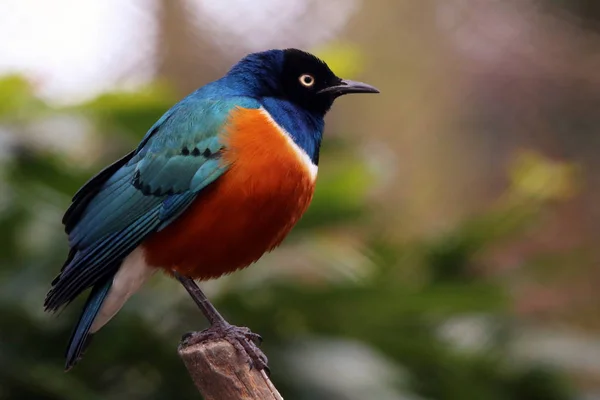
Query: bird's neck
[[304, 127]]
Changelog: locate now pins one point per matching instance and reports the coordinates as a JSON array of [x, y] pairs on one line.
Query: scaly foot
[[243, 340]]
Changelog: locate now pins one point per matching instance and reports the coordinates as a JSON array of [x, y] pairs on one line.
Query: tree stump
[[221, 373]]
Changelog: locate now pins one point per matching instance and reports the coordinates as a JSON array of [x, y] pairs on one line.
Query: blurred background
[[451, 248]]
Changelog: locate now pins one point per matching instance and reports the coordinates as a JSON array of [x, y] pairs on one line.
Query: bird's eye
[[307, 80]]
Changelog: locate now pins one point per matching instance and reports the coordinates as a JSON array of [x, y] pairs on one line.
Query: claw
[[243, 339], [186, 336], [255, 337]]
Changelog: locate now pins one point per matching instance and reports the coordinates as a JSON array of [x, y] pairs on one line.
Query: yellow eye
[[307, 80]]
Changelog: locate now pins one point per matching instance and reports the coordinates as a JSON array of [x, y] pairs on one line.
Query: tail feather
[[81, 336]]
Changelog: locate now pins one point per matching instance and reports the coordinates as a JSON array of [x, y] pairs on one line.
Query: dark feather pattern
[[139, 194], [98, 262], [87, 192], [80, 338]]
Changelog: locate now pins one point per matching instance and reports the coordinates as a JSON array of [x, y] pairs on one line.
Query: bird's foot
[[243, 340]]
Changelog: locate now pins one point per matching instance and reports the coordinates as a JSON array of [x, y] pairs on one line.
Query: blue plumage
[[80, 337], [305, 128], [177, 158], [147, 191], [258, 76]]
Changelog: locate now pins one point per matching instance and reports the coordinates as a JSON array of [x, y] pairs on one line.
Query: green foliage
[[398, 306], [128, 112], [17, 99]]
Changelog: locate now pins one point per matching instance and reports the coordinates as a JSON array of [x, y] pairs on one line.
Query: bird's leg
[[242, 338], [209, 311]]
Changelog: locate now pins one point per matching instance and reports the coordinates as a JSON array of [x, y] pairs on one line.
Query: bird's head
[[295, 76]]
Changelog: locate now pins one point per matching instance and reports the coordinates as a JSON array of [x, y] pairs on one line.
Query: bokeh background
[[451, 249]]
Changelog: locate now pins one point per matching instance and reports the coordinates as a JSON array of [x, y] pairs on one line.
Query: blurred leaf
[[344, 59], [133, 112], [17, 98], [535, 176], [340, 196]]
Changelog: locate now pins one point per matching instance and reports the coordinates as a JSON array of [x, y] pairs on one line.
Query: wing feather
[[142, 192]]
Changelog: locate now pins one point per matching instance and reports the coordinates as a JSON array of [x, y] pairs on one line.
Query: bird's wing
[[142, 192]]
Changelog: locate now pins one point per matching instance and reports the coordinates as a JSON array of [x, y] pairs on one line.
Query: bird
[[219, 180]]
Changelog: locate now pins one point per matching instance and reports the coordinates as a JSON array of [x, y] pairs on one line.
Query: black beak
[[346, 86]]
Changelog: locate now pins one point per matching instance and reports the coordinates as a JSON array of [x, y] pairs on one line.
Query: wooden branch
[[221, 373]]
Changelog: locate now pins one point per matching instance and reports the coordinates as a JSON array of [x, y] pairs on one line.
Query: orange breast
[[249, 210]]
